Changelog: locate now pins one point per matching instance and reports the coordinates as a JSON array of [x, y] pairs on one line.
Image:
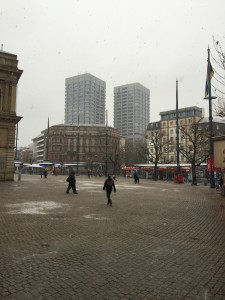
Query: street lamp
[[210, 98], [177, 131]]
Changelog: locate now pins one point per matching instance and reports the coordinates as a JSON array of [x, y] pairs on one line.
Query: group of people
[[45, 173], [108, 186]]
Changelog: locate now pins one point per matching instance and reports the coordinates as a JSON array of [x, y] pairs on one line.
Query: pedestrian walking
[[71, 183], [108, 186]]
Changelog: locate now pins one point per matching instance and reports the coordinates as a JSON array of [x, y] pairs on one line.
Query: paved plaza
[[159, 240]]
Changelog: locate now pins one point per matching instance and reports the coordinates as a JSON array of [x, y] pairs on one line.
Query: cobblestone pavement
[[159, 240]]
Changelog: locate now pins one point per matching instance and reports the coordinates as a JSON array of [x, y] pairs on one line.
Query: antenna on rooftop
[[1, 47]]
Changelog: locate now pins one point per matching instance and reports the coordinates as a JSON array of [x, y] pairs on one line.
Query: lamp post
[[177, 131], [106, 146]]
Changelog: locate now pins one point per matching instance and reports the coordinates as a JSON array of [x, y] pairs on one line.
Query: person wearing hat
[[108, 186]]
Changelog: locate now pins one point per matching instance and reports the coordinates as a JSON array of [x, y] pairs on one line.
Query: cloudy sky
[[119, 41]]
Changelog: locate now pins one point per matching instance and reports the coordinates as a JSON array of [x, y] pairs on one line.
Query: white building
[[39, 147], [131, 110], [85, 100]]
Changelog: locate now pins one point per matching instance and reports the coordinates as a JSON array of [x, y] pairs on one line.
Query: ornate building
[[9, 77], [167, 129], [89, 144]]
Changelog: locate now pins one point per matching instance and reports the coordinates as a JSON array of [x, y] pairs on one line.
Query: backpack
[[109, 183]]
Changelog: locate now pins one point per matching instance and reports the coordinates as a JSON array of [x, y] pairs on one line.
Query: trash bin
[[175, 178], [178, 178]]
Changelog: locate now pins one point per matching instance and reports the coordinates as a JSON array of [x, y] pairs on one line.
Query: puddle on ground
[[94, 217], [41, 208]]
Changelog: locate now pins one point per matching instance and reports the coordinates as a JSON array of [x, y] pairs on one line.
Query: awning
[[130, 168]]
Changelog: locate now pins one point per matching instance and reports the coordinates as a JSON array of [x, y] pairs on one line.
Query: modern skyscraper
[[131, 110], [85, 100]]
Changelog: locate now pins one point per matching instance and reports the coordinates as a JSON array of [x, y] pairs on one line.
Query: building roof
[[7, 53], [181, 109]]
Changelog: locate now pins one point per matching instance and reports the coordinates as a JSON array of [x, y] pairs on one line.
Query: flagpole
[[211, 150]]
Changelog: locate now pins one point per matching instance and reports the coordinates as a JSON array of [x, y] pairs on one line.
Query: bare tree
[[135, 152], [158, 147], [218, 84], [195, 146], [116, 158]]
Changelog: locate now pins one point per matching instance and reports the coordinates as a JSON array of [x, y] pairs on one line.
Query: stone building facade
[[167, 129], [88, 144], [9, 77]]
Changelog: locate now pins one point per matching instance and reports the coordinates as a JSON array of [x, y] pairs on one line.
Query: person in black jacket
[[108, 186], [71, 183]]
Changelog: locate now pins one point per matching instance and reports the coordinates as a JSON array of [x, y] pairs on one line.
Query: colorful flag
[[210, 74]]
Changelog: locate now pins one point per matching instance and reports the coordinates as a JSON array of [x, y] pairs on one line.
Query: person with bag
[[108, 186], [71, 183]]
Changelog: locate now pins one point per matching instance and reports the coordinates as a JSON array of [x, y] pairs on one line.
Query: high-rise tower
[[85, 100], [131, 110]]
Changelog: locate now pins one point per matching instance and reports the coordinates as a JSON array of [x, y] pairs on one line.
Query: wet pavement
[[159, 240]]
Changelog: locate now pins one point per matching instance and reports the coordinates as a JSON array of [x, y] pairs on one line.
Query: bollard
[[19, 176]]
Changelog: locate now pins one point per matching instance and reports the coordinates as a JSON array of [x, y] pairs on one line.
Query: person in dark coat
[[71, 183], [136, 177], [221, 181], [108, 186], [45, 173]]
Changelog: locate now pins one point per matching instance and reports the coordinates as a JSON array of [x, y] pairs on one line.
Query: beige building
[[167, 128], [9, 76]]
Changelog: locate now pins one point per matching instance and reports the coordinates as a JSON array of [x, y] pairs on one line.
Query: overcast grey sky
[[119, 41]]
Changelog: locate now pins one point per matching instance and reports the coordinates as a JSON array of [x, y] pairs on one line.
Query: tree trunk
[[155, 174], [194, 177]]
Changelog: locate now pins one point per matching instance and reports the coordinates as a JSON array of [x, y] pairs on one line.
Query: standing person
[[136, 177], [108, 186], [71, 183], [221, 181], [45, 173]]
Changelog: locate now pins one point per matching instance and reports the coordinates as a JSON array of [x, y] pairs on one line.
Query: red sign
[[210, 165]]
